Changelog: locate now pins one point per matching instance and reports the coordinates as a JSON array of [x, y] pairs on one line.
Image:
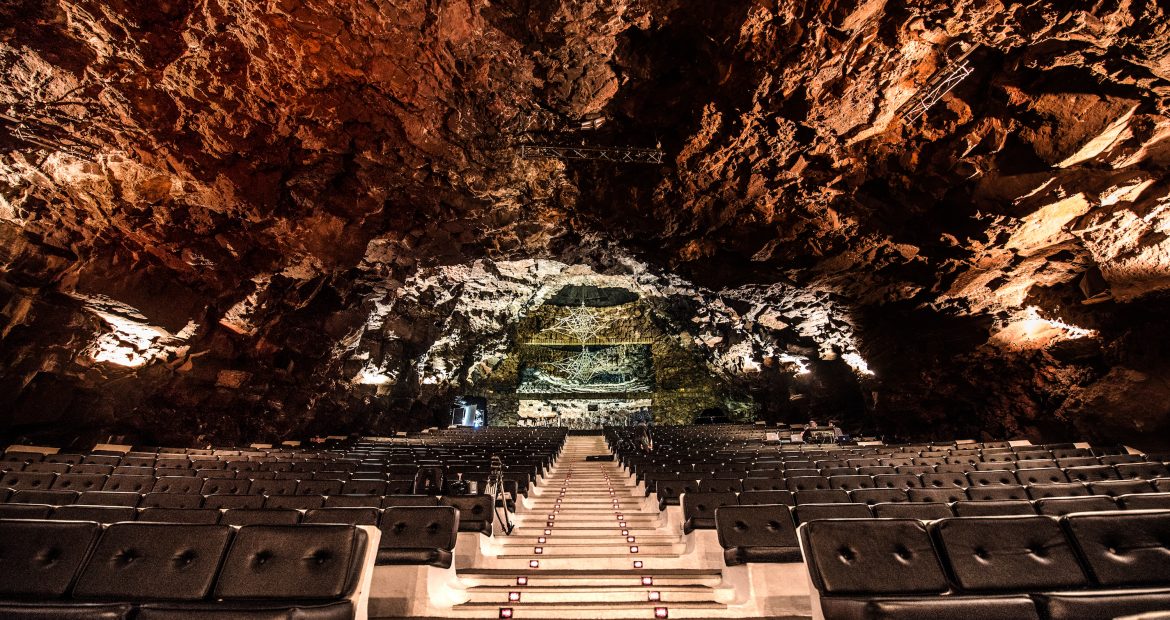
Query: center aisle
[[590, 545]]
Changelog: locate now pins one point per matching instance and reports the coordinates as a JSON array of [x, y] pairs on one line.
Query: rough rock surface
[[222, 197]]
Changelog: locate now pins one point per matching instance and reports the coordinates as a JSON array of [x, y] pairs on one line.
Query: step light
[[634, 549], [548, 532], [653, 596], [521, 581], [533, 563], [514, 597], [638, 563], [506, 612], [630, 539], [661, 612], [538, 550], [541, 539], [647, 581], [625, 532]]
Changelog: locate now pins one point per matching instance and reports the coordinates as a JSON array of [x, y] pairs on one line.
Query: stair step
[[586, 593]]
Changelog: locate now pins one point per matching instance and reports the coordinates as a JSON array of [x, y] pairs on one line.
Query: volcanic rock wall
[[202, 203]]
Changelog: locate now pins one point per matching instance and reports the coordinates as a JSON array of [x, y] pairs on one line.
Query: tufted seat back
[[41, 559], [893, 556], [1043, 475], [1124, 550], [779, 496], [475, 512], [757, 533], [291, 562], [143, 561], [996, 554], [699, 509]]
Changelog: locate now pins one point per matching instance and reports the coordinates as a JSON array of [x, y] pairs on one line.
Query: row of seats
[[699, 509], [1077, 567], [670, 492], [155, 571], [476, 510]]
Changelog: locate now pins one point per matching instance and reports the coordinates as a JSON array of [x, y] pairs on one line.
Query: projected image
[[469, 411], [584, 370]]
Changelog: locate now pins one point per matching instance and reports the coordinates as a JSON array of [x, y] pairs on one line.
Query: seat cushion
[[475, 512], [996, 554], [1059, 506], [923, 511], [440, 558], [100, 514], [930, 608], [270, 516], [293, 562], [42, 558], [893, 556], [50, 611], [339, 610], [811, 512], [778, 496], [999, 508], [419, 527], [350, 516], [1104, 605], [737, 556], [766, 525], [143, 561], [202, 516], [1124, 550], [1145, 501]]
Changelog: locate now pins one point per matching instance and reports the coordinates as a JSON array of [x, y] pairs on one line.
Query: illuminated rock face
[[265, 197]]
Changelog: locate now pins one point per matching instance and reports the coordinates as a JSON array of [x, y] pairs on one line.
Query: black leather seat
[[1001, 508], [1057, 489], [476, 512], [53, 498], [109, 498], [41, 559], [177, 485], [193, 516], [79, 482], [348, 516], [778, 496], [252, 502], [144, 561], [876, 496], [669, 491], [950, 480], [1008, 554], [271, 516], [757, 533], [394, 501], [1121, 551], [353, 501], [100, 514], [25, 511], [889, 569], [897, 481], [754, 484], [997, 492], [294, 502], [821, 496], [812, 512], [923, 511], [1044, 475], [1145, 501], [273, 487], [946, 495], [1113, 488], [699, 509], [422, 535], [1059, 506]]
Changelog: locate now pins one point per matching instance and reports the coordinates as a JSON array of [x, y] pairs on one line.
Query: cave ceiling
[[222, 221]]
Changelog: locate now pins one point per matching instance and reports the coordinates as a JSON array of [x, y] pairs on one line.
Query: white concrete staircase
[[589, 544]]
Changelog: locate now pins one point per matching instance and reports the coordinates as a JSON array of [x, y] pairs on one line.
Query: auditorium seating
[[1082, 566], [156, 571]]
